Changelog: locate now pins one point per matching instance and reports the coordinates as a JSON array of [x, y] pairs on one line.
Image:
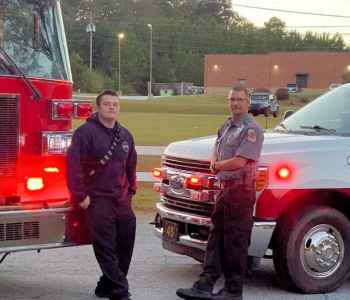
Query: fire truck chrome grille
[[187, 205], [19, 231], [186, 164], [9, 135]]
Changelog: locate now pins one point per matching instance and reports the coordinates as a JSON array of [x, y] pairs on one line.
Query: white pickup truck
[[302, 210]]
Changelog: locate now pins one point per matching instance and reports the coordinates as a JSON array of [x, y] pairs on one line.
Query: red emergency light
[[64, 110], [283, 173], [83, 110], [195, 180], [69, 109]]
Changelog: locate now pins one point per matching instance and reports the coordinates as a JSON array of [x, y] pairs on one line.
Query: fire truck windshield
[[32, 34]]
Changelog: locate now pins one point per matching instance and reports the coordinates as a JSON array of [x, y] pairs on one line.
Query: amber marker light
[[157, 173], [51, 170], [195, 180]]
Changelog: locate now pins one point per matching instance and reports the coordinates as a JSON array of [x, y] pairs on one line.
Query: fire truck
[[302, 210], [36, 113]]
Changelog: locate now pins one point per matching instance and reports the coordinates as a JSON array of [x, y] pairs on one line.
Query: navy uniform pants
[[227, 248], [113, 225]]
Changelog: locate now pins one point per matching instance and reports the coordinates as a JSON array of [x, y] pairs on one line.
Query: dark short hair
[[240, 88], [106, 92]]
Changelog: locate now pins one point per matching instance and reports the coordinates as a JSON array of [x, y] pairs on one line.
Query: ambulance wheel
[[311, 249], [276, 112]]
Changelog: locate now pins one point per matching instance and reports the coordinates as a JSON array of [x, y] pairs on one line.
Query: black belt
[[231, 182]]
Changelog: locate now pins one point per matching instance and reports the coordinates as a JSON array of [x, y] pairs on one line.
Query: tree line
[[183, 31]]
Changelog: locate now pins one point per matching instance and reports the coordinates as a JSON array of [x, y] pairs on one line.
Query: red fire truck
[[36, 112]]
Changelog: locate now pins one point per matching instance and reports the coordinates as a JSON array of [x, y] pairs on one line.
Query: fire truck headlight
[[34, 183], [53, 143]]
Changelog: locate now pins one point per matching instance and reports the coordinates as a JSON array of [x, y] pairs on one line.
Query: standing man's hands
[[212, 167], [85, 204]]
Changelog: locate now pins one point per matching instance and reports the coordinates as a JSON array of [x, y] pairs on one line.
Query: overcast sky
[[302, 22]]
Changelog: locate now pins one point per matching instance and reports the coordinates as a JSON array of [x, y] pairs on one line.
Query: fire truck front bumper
[[187, 234]]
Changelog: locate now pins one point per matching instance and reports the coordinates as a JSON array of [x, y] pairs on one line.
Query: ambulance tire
[[323, 265]]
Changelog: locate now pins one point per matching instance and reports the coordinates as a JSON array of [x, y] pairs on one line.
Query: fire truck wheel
[[311, 249]]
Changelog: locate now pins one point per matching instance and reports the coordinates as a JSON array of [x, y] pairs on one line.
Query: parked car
[[191, 90], [293, 88], [334, 85]]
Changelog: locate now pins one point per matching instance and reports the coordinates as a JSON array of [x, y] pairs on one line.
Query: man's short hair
[[239, 88], [106, 92]]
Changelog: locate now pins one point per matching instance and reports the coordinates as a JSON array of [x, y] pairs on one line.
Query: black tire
[[311, 250], [267, 112], [255, 113], [276, 112]]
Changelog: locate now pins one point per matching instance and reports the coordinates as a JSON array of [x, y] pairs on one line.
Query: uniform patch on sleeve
[[251, 135], [125, 147]]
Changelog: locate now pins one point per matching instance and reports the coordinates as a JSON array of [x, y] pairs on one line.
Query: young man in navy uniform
[[234, 158], [104, 193]]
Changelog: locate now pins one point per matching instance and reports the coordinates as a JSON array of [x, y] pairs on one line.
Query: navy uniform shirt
[[242, 138]]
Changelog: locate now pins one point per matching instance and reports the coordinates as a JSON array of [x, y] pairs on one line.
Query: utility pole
[[120, 36], [90, 28], [150, 95]]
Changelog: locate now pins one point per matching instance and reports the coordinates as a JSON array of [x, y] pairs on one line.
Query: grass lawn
[[160, 121]]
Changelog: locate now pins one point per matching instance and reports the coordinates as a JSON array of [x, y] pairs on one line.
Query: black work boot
[[103, 289], [193, 294], [223, 294], [123, 297]]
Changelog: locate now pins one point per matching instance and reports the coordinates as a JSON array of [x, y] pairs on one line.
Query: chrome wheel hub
[[322, 251]]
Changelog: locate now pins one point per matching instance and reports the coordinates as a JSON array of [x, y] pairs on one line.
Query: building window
[[242, 81]]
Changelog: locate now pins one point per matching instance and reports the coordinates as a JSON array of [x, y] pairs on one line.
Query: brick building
[[311, 70]]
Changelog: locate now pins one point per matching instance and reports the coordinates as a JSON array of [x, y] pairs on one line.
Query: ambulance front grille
[[19, 231], [186, 164], [9, 135]]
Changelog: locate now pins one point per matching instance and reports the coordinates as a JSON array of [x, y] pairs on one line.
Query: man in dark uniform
[[235, 155], [101, 178]]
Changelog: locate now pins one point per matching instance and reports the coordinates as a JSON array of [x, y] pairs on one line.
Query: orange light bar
[[157, 173], [283, 173], [51, 170], [35, 183]]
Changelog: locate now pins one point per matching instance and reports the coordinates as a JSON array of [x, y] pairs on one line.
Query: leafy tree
[[184, 31], [80, 73], [346, 77]]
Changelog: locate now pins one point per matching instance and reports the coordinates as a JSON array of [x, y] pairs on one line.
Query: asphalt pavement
[[155, 274]]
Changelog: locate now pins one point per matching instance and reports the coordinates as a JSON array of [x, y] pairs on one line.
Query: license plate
[[170, 231]]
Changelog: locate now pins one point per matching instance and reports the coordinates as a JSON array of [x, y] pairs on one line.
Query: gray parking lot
[[155, 274]]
